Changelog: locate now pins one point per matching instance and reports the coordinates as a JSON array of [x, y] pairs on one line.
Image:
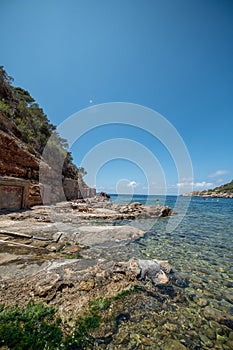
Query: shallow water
[[200, 250]]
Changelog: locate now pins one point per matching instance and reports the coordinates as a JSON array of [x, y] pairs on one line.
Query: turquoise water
[[200, 250]]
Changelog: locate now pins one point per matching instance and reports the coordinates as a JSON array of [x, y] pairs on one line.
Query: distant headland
[[223, 191]]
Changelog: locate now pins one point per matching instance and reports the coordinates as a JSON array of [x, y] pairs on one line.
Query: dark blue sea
[[198, 243]]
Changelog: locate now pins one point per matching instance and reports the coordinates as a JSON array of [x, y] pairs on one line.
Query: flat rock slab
[[93, 235]]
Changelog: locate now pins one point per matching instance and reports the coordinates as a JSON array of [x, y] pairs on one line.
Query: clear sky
[[173, 56]]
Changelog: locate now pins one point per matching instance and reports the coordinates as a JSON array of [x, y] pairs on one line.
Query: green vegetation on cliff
[[31, 124], [17, 104], [226, 188], [225, 191]]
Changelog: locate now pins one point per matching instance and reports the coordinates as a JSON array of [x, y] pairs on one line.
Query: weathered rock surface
[[92, 235]]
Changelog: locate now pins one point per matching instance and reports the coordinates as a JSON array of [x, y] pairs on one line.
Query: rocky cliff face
[[17, 161]]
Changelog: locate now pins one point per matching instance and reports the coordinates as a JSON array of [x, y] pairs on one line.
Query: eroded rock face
[[16, 160]]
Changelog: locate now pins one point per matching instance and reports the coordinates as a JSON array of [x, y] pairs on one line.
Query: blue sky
[[173, 56]]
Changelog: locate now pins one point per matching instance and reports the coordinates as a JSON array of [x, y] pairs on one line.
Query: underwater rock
[[206, 341], [202, 302], [173, 344], [218, 316]]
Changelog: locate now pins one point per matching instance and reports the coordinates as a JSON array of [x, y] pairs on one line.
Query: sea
[[198, 243]]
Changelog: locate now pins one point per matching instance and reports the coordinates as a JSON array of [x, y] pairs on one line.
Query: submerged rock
[[221, 317], [173, 344]]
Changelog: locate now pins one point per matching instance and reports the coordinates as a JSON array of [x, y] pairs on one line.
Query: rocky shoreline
[[47, 253], [91, 222], [68, 257]]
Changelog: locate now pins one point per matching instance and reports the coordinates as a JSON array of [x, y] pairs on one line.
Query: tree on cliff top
[[5, 85], [31, 121], [225, 188]]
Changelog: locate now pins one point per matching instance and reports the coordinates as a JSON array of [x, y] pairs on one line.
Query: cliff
[[24, 132], [15, 158]]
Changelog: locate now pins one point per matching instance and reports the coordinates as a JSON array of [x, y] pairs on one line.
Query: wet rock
[[221, 338], [171, 326], [210, 333], [173, 344], [202, 302], [229, 344], [206, 341], [148, 268], [165, 266], [218, 316]]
